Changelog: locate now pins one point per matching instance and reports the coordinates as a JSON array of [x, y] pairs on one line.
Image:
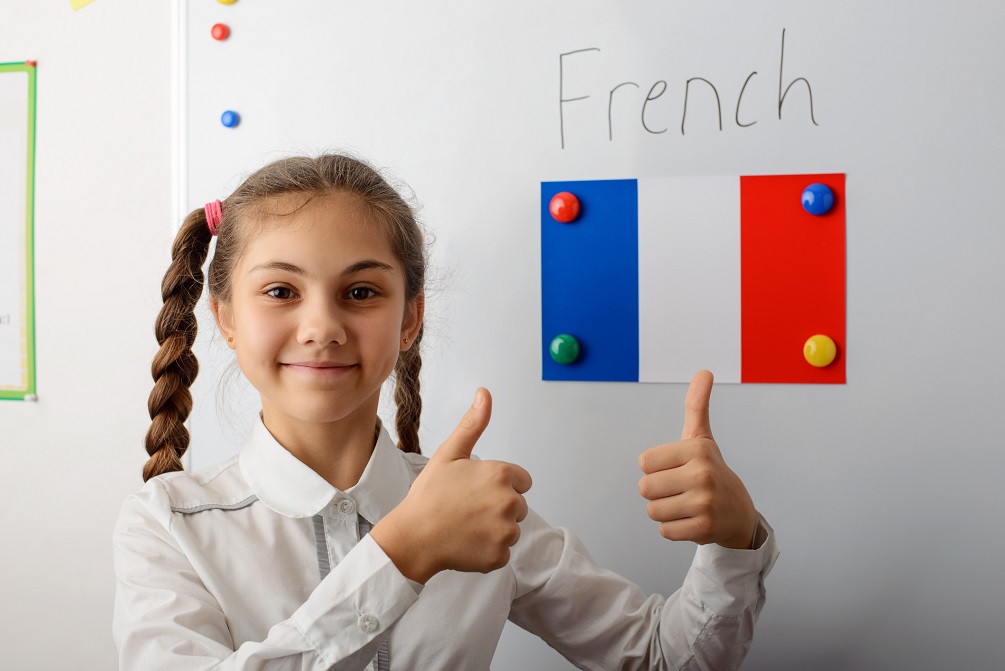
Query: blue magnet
[[818, 199], [230, 118]]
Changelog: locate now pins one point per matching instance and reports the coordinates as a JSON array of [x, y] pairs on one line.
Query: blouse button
[[346, 506], [367, 624]]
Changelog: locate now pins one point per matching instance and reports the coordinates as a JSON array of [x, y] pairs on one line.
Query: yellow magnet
[[820, 351], [226, 2]]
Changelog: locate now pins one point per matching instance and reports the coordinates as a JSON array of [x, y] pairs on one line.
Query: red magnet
[[220, 31], [564, 207]]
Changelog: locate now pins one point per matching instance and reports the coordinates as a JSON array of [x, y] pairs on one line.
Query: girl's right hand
[[459, 514]]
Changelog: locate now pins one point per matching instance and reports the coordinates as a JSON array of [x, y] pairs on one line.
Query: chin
[[319, 411]]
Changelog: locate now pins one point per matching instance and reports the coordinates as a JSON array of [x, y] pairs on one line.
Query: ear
[[224, 320], [412, 322]]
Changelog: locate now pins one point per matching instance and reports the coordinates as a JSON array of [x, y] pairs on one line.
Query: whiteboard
[[885, 491]]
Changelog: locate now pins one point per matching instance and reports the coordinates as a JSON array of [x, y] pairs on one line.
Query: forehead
[[335, 227]]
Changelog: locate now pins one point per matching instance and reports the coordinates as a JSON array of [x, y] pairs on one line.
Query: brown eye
[[279, 293], [361, 293]]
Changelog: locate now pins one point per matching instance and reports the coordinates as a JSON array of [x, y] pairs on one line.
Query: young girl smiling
[[323, 545]]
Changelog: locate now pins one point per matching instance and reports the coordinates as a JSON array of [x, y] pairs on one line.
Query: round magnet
[[564, 207], [818, 199], [226, 2], [819, 351], [220, 31], [564, 349], [230, 118]]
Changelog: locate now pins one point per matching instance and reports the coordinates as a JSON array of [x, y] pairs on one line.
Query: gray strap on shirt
[[382, 662]]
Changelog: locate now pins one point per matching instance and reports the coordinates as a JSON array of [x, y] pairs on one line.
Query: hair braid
[[175, 366], [407, 398]]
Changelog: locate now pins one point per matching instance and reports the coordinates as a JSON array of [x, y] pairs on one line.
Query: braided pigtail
[[175, 366], [407, 398]]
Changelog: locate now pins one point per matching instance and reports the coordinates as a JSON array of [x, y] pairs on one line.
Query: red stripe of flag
[[792, 279]]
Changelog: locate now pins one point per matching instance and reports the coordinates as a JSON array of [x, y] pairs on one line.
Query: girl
[[322, 545]]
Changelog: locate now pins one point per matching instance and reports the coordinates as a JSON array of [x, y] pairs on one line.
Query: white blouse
[[259, 563]]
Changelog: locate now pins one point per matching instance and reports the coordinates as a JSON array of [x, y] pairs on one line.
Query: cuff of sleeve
[[351, 611], [727, 581]]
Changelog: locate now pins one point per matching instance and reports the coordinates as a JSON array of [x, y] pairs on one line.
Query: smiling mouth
[[319, 367]]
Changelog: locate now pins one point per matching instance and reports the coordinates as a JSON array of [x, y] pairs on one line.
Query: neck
[[337, 451]]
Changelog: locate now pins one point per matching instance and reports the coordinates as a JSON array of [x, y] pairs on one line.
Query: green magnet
[[564, 349]]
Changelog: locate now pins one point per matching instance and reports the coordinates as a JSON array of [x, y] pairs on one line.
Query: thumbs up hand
[[459, 514], [692, 493]]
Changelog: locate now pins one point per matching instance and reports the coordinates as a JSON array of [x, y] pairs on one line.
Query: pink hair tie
[[214, 215]]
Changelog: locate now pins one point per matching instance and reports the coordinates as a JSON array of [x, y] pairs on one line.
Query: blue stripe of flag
[[590, 280]]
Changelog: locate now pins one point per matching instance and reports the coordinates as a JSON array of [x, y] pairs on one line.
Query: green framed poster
[[17, 198]]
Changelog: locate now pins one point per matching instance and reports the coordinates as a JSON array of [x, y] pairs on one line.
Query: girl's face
[[318, 313]]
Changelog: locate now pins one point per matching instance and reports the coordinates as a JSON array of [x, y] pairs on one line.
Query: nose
[[321, 322]]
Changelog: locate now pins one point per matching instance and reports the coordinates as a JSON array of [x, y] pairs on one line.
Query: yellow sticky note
[[77, 4]]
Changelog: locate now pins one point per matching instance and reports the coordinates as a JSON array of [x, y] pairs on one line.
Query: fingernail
[[478, 399]]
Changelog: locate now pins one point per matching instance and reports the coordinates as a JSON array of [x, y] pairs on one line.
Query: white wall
[[102, 231]]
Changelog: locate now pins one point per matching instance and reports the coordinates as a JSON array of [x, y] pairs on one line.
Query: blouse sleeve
[[166, 620], [599, 620]]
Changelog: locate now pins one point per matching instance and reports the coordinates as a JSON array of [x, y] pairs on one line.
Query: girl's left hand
[[692, 493]]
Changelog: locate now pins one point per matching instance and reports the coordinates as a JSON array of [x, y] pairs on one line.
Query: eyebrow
[[359, 266], [278, 265], [368, 264]]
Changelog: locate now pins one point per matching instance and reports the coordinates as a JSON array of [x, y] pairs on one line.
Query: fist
[[692, 493], [459, 514]]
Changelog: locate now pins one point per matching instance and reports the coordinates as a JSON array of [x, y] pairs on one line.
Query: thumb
[[469, 429], [696, 423]]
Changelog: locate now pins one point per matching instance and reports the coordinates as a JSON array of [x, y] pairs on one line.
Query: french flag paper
[[659, 278]]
